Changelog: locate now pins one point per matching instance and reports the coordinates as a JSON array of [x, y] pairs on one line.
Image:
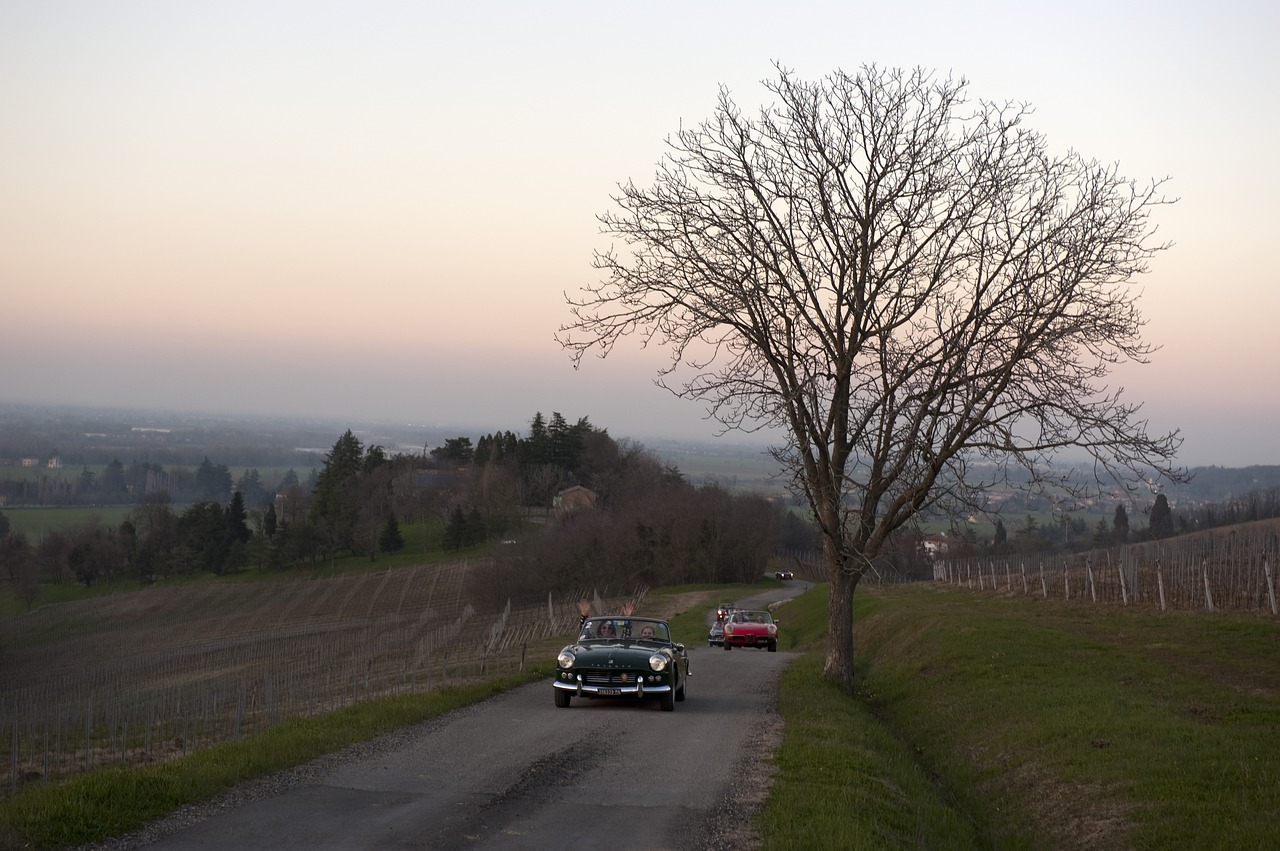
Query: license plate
[[610, 692]]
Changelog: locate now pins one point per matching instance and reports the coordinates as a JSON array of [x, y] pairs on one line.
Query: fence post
[[1044, 586], [1093, 589], [1023, 567], [1124, 591], [1160, 583], [1271, 585], [1208, 595]]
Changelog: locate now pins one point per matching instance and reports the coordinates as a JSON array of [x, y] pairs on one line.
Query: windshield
[[624, 629]]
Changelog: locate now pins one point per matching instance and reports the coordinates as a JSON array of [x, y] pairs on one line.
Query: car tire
[[667, 701], [773, 647], [562, 698], [680, 694], [728, 646]]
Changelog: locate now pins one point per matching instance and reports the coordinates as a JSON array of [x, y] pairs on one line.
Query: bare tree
[[912, 286]]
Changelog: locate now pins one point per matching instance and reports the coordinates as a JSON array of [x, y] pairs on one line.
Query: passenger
[[607, 630], [646, 631]]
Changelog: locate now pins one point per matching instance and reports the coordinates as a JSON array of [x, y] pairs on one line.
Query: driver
[[606, 630]]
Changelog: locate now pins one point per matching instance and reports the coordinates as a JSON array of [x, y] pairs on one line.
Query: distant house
[[576, 498], [938, 546], [54, 463], [29, 462]]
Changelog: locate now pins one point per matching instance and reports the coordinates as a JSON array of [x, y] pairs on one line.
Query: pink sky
[[375, 208]]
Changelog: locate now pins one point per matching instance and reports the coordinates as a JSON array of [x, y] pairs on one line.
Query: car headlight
[[566, 659], [659, 661], [773, 630]]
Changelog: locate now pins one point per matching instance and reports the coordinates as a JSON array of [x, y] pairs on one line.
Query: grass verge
[[102, 804], [992, 722]]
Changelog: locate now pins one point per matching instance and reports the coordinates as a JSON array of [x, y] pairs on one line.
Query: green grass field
[[35, 523]]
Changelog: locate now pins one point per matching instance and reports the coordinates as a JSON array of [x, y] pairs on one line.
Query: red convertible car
[[751, 629]]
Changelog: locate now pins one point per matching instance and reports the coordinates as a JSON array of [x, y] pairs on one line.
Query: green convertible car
[[622, 657]]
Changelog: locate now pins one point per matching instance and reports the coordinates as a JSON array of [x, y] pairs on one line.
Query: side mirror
[[679, 647]]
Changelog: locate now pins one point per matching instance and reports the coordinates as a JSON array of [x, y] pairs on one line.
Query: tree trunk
[[839, 664]]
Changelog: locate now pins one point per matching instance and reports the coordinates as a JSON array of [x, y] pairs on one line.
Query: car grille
[[610, 678]]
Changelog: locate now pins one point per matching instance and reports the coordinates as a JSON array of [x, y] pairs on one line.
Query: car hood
[[615, 653]]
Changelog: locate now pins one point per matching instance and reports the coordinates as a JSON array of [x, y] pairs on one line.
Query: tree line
[[647, 522], [117, 483], [1071, 534]]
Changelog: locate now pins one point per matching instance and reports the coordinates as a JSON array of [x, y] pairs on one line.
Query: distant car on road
[[751, 629], [784, 574], [618, 656], [724, 610], [715, 636]]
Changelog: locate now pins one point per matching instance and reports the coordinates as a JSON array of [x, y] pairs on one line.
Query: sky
[[374, 210]]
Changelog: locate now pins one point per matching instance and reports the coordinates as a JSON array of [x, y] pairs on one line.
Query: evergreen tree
[[454, 530], [485, 449], [390, 541], [1102, 534], [111, 482], [561, 450], [237, 519], [213, 482], [374, 457], [475, 529], [250, 485], [336, 506], [1120, 526], [457, 450], [269, 521], [203, 529], [1161, 518], [537, 448]]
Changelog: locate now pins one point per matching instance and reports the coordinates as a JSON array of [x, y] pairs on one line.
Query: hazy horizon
[[375, 210]]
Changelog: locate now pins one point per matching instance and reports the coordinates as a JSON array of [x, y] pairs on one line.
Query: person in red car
[[751, 629]]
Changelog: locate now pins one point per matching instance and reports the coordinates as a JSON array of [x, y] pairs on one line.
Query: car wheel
[[680, 694], [728, 646], [773, 647], [562, 698], [667, 701]]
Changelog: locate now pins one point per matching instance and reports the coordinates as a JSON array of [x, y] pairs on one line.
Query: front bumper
[[748, 640], [582, 688]]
